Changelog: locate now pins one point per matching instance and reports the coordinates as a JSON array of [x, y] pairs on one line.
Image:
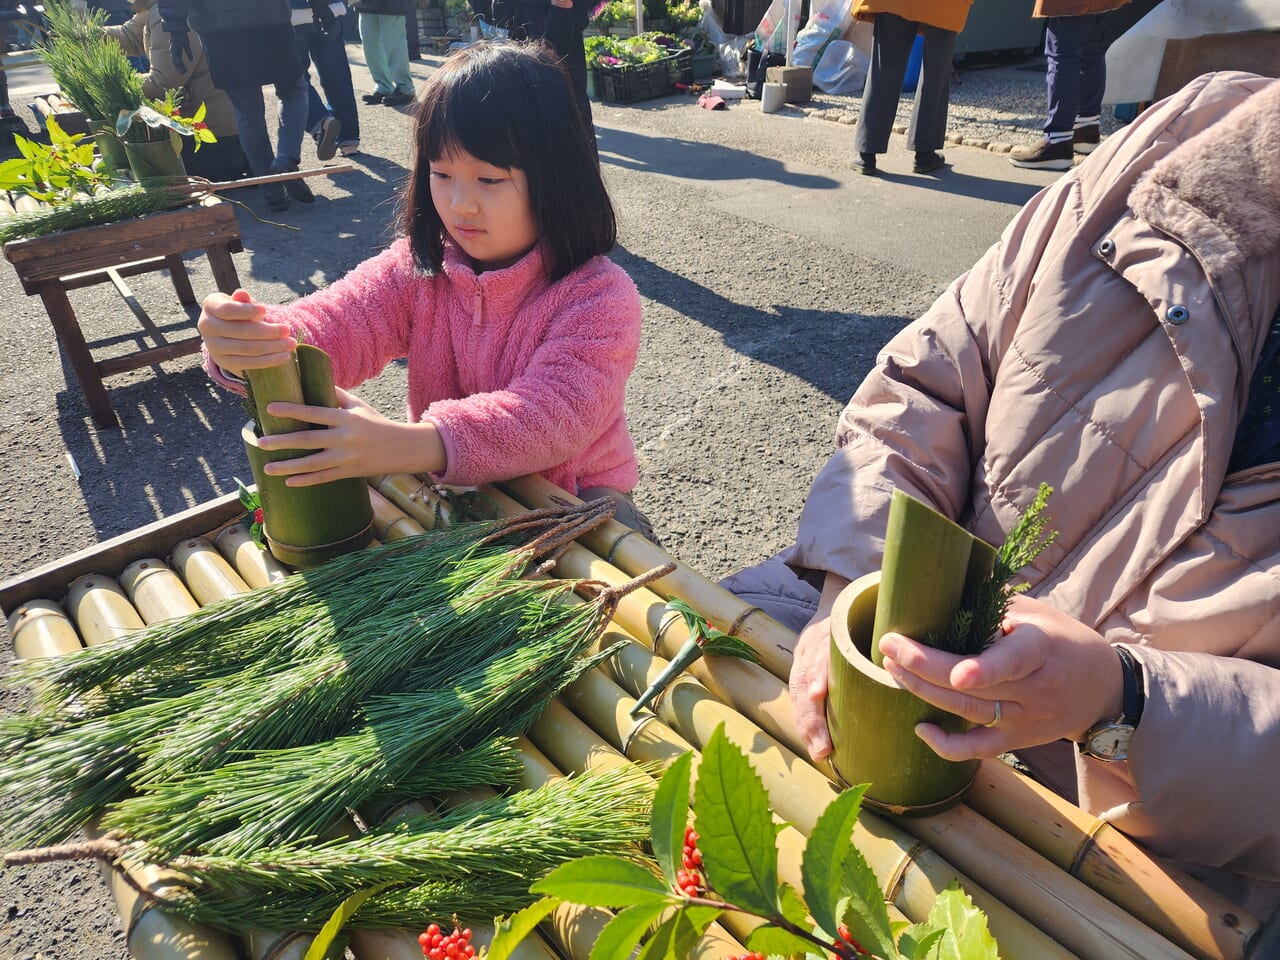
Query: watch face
[[1109, 741]]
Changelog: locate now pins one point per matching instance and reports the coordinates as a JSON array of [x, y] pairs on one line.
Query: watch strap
[[1134, 697]]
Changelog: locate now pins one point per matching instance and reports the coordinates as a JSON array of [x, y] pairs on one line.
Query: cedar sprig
[[984, 607]]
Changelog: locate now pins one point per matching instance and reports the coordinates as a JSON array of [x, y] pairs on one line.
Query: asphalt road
[[771, 275]]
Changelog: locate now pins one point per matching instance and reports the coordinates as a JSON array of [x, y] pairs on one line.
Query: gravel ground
[[770, 276]]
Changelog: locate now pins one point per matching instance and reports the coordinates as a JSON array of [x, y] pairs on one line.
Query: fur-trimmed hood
[[1223, 184]]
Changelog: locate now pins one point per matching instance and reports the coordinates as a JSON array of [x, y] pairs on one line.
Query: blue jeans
[[251, 118], [1076, 50], [329, 54]]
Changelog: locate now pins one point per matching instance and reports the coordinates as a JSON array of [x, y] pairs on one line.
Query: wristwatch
[[1109, 740]]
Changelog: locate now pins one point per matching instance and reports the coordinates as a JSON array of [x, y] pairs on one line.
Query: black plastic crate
[[630, 83], [680, 66]]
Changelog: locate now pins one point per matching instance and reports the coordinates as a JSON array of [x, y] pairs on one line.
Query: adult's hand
[[1053, 676], [238, 337], [180, 49], [809, 670]]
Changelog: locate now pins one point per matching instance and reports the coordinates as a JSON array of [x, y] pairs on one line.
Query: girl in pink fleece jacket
[[519, 333]]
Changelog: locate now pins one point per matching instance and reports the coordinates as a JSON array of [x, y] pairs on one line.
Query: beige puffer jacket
[[1105, 345]]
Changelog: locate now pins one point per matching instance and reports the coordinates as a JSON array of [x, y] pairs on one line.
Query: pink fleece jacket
[[519, 375]]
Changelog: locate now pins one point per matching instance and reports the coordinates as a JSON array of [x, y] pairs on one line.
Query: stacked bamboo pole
[[1183, 909]]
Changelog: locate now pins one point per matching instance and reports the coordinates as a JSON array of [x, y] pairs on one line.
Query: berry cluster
[[441, 946], [843, 931], [748, 956], [690, 880]]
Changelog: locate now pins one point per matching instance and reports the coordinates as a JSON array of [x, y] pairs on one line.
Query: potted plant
[[302, 526], [938, 585]]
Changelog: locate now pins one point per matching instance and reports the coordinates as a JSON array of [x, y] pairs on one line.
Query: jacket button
[[1178, 314], [1106, 248]]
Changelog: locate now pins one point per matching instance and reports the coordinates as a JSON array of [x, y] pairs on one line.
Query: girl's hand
[[237, 336], [1053, 676], [356, 441]]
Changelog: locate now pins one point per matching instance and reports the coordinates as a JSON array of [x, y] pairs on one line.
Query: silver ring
[[996, 719]]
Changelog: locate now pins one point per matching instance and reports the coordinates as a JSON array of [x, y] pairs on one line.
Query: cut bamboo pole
[[100, 610], [1184, 910], [389, 521], [41, 628], [156, 592], [253, 562], [205, 571]]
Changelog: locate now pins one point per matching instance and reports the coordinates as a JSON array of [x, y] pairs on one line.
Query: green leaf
[[29, 148], [248, 499], [823, 869], [676, 938], [723, 645], [198, 116], [774, 941], [605, 882], [793, 908], [922, 941], [955, 911], [324, 940], [670, 816], [56, 134], [510, 931], [623, 933], [735, 828], [865, 913]]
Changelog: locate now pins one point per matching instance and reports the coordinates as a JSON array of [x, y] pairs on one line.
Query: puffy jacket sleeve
[[570, 393], [129, 35], [363, 320], [918, 420]]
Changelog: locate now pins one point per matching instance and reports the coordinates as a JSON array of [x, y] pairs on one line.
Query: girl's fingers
[[321, 416]]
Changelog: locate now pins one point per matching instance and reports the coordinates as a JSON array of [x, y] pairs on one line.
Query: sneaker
[[350, 148], [1086, 139], [374, 97], [326, 137], [928, 161], [397, 99], [297, 189], [865, 164], [1044, 156], [276, 197]]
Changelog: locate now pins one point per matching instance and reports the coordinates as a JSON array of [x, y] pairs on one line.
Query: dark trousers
[[1076, 51], [893, 38], [329, 54]]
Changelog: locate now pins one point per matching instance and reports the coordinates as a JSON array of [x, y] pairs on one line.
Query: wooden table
[[50, 266]]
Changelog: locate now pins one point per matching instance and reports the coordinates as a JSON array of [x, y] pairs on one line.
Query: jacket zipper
[[478, 306]]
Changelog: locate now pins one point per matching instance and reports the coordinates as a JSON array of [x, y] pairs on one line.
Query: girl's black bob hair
[[510, 104]]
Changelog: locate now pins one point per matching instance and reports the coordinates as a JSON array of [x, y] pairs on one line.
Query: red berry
[[423, 941], [257, 515], [433, 929], [435, 954]]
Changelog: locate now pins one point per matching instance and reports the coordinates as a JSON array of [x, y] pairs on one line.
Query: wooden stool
[[50, 266]]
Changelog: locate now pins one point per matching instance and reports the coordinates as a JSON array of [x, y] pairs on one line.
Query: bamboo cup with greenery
[[304, 526]]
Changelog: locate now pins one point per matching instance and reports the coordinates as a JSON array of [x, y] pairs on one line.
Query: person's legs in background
[[251, 121], [413, 46], [375, 54], [289, 134], [928, 129], [1087, 130], [1064, 42], [893, 37], [397, 54], [329, 53], [320, 122]]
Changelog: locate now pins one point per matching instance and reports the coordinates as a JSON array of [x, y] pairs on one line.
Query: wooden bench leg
[[181, 282], [67, 329], [224, 268]]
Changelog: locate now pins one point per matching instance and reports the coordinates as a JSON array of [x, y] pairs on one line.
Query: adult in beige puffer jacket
[[1105, 346], [142, 36]]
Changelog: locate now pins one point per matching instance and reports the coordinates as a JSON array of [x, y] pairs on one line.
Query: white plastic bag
[[728, 49], [827, 22], [842, 69], [771, 34]]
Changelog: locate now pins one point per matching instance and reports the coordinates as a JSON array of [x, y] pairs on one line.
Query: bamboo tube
[[279, 945], [205, 572], [42, 629], [281, 383], [255, 565], [389, 522], [100, 609], [156, 591], [632, 553], [1195, 917]]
